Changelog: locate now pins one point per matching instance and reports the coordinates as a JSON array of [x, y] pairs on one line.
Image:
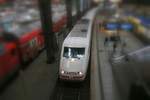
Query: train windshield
[[73, 52]]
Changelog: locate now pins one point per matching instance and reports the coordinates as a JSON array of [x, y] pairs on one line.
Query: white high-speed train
[[76, 49]]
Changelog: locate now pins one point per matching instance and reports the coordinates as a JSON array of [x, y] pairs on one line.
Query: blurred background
[[31, 36]]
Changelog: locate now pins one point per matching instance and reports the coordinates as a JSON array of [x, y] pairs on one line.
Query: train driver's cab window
[[73, 52]]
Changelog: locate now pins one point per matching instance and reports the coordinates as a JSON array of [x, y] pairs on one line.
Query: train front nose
[[72, 70]]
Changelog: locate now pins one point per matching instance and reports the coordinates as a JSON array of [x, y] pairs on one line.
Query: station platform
[[105, 76]]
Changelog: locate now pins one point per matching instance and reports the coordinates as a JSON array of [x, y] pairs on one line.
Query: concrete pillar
[[46, 21], [69, 13]]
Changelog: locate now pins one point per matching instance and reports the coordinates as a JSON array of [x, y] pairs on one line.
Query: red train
[[9, 58], [29, 43], [21, 44]]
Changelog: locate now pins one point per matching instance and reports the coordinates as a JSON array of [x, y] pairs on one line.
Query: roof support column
[[69, 13], [47, 27]]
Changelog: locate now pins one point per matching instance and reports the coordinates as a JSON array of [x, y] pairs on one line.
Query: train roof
[[91, 14], [80, 29], [81, 32]]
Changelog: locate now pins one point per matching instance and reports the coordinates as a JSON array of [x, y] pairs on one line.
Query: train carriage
[[8, 52], [76, 50], [21, 39], [28, 31], [29, 38]]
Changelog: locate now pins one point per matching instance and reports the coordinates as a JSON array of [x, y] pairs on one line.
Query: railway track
[[72, 90]]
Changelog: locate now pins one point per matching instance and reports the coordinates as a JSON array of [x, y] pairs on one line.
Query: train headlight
[[80, 73], [72, 60], [62, 72]]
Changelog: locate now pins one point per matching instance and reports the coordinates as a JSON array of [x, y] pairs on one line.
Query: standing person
[[123, 47], [114, 46], [105, 41]]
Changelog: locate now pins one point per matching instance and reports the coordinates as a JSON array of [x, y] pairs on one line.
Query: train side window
[[33, 42]]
